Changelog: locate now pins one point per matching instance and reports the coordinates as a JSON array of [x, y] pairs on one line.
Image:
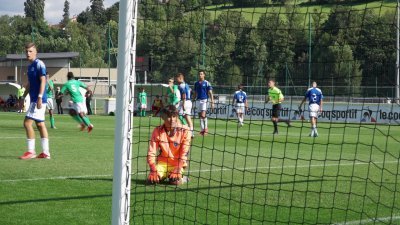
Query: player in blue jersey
[[314, 97], [203, 95], [185, 107], [36, 88], [240, 103]]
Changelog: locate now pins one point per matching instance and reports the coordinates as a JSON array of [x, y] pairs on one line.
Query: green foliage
[[112, 12], [34, 9], [235, 44], [278, 42], [98, 12], [85, 16], [65, 19]]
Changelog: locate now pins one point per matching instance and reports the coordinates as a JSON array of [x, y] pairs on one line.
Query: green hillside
[[253, 14]]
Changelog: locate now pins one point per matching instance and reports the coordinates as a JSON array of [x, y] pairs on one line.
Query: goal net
[[243, 173]]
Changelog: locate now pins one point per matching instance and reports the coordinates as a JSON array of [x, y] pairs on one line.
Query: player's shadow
[[186, 187], [9, 157], [55, 199], [91, 178]]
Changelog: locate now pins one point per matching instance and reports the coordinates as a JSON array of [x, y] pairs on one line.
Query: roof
[[55, 55]]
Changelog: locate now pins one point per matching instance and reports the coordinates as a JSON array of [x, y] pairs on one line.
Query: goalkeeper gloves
[[153, 177], [175, 175]]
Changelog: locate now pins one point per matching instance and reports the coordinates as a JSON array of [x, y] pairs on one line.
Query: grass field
[[237, 176]]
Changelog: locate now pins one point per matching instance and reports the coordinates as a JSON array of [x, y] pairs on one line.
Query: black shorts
[[276, 109]]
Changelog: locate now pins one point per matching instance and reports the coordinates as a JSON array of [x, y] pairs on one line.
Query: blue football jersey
[[314, 96], [36, 70], [185, 89], [202, 88], [240, 97]]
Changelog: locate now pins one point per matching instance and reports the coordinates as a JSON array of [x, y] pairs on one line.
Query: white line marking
[[202, 171], [372, 220]]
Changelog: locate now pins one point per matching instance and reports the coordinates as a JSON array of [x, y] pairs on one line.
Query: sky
[[53, 8]]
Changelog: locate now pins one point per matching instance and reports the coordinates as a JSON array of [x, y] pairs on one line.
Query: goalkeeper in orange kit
[[168, 148]]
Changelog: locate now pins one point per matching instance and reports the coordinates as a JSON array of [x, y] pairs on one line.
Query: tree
[[85, 16], [98, 12], [112, 13], [279, 44], [65, 19], [34, 9], [377, 50]]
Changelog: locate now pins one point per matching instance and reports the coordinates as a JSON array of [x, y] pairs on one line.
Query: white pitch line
[[293, 166], [200, 171], [372, 220]]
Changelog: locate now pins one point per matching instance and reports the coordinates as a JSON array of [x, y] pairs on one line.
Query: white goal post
[[124, 111]]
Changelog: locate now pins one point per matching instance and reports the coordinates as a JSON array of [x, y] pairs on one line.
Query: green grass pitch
[[237, 175]]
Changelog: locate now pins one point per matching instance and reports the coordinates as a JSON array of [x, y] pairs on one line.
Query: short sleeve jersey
[[314, 96], [72, 86], [202, 88], [274, 95], [240, 97], [142, 98], [36, 70], [185, 89], [49, 89], [175, 96]]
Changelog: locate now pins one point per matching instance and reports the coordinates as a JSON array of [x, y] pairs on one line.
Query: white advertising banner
[[332, 112]]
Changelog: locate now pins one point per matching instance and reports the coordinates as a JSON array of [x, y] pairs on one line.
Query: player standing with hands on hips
[[36, 88], [203, 92], [276, 97], [314, 96]]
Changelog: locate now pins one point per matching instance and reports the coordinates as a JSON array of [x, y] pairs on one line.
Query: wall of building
[[59, 75]]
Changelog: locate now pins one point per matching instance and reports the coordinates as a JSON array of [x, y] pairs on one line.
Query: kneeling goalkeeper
[[168, 148]]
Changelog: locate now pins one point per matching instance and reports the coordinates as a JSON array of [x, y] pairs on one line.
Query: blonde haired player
[[168, 148], [36, 88]]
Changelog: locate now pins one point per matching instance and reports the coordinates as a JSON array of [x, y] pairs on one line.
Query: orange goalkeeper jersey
[[173, 150]]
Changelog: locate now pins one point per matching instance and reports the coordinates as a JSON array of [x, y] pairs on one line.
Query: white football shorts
[[50, 105], [185, 108], [240, 107], [314, 110], [79, 107], [36, 114], [201, 105], [142, 106]]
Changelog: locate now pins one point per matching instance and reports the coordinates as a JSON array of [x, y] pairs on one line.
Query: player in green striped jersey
[[79, 110], [276, 97]]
